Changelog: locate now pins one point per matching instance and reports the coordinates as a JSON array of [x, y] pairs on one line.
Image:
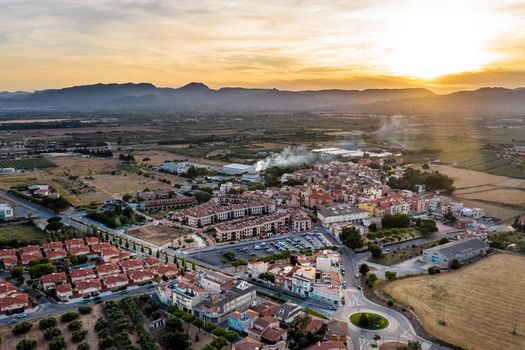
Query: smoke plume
[[287, 157]]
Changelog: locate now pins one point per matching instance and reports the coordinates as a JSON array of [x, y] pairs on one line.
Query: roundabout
[[369, 321]]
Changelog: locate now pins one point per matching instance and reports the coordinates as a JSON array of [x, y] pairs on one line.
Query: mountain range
[[199, 97]]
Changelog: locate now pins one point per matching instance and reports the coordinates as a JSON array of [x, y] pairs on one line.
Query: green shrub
[[68, 317], [79, 335], [47, 323], [75, 325], [21, 328], [57, 343], [26, 344], [84, 310], [51, 333], [83, 346]]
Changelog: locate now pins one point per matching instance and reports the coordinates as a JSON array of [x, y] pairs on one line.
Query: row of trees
[[433, 181], [146, 341]]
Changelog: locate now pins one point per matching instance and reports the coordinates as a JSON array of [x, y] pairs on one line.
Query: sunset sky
[[288, 44]]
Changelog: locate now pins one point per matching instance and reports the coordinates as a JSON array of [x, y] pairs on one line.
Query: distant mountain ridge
[[199, 97]]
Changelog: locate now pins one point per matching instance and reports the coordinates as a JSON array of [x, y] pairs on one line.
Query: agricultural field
[[501, 197], [26, 164], [83, 181], [9, 341], [480, 306], [163, 234]]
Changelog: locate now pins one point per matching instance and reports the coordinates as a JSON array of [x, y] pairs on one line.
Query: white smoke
[[287, 157], [395, 130]]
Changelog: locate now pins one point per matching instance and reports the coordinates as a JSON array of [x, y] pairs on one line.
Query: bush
[[83, 346], [47, 323], [79, 335], [26, 344], [84, 310], [68, 317], [51, 333], [390, 275], [390, 303], [21, 328], [454, 264], [57, 343], [75, 325], [101, 324]]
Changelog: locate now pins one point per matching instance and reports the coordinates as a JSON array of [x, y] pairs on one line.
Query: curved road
[[399, 327]]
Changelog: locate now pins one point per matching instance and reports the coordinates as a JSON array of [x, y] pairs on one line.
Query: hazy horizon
[[290, 45]]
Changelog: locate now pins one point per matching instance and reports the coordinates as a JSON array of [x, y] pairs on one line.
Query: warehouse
[[463, 251], [237, 169]]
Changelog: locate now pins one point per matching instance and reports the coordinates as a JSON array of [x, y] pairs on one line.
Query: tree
[[376, 251], [83, 346], [425, 166], [84, 310], [21, 328], [364, 321], [449, 218], [202, 196], [371, 279], [302, 324], [363, 269], [454, 264], [26, 344], [444, 240], [390, 275], [184, 267], [351, 237], [17, 272], [395, 221], [193, 266], [57, 343], [47, 323]]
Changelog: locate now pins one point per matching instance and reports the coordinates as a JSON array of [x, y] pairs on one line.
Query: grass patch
[[368, 320], [315, 313], [22, 233], [400, 255]]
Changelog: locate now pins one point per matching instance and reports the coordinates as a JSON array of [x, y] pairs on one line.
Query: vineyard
[[39, 163]]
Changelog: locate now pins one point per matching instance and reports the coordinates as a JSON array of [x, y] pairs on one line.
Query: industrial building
[[237, 169], [463, 251]]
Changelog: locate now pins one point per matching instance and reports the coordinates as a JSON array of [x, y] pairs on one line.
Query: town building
[[237, 169], [6, 212], [332, 215]]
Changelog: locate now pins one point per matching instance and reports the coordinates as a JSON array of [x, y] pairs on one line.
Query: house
[[182, 294], [266, 329], [241, 321], [30, 249], [88, 287], [92, 240], [56, 254], [52, 246], [5, 253], [247, 343], [341, 214], [115, 281], [10, 262], [327, 260], [79, 250], [216, 307], [74, 242], [165, 271], [131, 265], [315, 325], [328, 345], [215, 282], [6, 212], [256, 267], [49, 281], [27, 257], [150, 262], [336, 330], [327, 293], [266, 308], [463, 251], [109, 254], [82, 274], [6, 289], [13, 303], [108, 269], [141, 276], [287, 313], [64, 291]]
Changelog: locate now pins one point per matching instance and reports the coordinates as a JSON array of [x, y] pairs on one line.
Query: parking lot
[[261, 248]]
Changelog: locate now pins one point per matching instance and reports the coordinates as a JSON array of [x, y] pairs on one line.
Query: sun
[[427, 42]]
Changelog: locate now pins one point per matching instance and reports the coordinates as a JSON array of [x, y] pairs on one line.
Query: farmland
[[21, 232], [477, 306], [35, 163]]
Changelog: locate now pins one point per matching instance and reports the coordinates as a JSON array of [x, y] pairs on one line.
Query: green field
[[22, 233], [371, 321], [39, 163]]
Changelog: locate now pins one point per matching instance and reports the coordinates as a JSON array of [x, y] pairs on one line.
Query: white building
[[237, 169], [474, 213], [6, 211], [341, 214]]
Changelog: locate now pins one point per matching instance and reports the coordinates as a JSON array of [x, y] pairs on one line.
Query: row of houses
[[289, 219], [211, 212], [105, 278]]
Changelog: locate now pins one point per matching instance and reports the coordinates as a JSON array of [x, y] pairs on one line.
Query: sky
[[287, 44]]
